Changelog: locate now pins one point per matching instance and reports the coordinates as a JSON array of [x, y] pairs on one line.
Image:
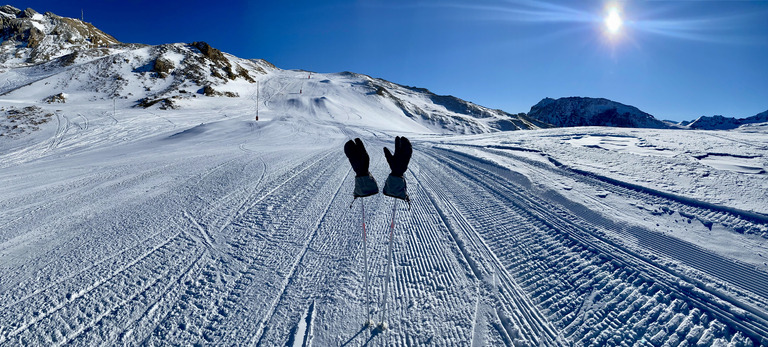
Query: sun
[[613, 21]]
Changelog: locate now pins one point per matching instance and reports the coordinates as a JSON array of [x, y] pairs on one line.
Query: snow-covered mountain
[[142, 202], [719, 122], [49, 57], [580, 111], [716, 122], [29, 37]]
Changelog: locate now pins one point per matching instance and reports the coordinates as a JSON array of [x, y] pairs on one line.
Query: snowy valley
[[142, 202]]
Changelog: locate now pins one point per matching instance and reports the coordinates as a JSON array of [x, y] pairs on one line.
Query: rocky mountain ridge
[[49, 57], [581, 111], [29, 37]]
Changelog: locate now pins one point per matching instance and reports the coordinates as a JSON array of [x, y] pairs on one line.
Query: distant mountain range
[[53, 58], [578, 111], [727, 123]]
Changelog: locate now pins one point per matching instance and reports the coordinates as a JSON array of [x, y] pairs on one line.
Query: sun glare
[[613, 21]]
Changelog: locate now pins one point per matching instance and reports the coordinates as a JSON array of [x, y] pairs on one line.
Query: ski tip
[[368, 324], [383, 326]]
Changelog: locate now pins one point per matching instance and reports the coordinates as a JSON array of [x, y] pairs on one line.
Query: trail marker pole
[[389, 269]]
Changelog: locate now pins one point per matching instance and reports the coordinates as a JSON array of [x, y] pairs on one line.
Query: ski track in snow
[[529, 318], [61, 130], [243, 268], [182, 227], [746, 276], [692, 255]]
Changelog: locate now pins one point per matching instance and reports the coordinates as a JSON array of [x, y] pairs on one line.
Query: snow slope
[[201, 225], [42, 56]]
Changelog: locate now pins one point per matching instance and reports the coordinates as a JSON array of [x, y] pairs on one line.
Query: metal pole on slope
[[389, 269], [257, 100], [368, 321]]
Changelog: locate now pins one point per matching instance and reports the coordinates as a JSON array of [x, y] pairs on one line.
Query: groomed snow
[[203, 226]]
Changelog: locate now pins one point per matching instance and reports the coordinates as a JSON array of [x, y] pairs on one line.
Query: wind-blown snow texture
[[199, 225]]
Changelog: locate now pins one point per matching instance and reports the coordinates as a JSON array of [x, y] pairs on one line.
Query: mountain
[[56, 59], [716, 122], [580, 111], [726, 123], [29, 37], [448, 111]]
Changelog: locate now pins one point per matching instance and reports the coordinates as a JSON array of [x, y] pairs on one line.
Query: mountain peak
[[8, 10], [30, 37], [583, 111], [29, 13]]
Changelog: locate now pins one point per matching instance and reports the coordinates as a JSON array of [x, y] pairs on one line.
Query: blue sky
[[674, 59]]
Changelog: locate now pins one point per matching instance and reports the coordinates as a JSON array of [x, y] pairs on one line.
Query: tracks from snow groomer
[[562, 259]]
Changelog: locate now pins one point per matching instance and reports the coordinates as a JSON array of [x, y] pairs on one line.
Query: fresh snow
[[203, 226]]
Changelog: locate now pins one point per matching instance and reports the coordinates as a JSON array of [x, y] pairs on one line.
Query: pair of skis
[[384, 317]]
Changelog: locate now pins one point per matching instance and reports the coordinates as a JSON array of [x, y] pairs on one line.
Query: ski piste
[[384, 318], [368, 321]]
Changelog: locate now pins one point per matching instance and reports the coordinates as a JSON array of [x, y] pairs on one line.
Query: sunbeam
[[615, 22]]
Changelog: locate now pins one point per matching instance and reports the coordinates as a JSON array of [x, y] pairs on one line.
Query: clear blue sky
[[674, 59]]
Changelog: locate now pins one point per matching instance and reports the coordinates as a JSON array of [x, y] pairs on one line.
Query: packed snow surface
[[203, 226]]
